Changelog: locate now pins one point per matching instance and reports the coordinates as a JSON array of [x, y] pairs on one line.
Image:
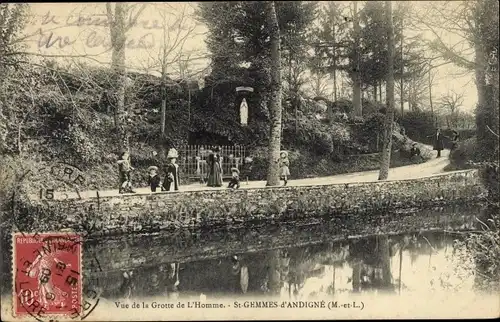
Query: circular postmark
[[53, 190], [49, 280]]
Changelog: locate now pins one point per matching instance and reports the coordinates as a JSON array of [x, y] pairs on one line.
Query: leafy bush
[[368, 131], [314, 136], [418, 125], [343, 106], [463, 155], [371, 107], [488, 172], [483, 250]]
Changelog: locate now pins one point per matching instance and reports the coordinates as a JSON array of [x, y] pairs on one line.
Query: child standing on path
[[154, 178], [284, 163], [124, 169], [235, 179]]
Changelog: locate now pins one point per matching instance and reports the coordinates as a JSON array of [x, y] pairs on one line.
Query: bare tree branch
[[492, 132]]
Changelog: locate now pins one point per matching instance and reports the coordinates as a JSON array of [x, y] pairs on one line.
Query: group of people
[[171, 178], [215, 170], [437, 143]]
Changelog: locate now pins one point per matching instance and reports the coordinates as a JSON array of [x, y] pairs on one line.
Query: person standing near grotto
[[438, 140], [215, 169], [124, 170], [284, 164], [172, 171]]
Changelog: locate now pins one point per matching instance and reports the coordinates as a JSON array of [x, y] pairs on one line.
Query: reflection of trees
[[307, 262], [385, 260], [278, 270], [161, 280], [370, 263], [299, 263], [209, 276]]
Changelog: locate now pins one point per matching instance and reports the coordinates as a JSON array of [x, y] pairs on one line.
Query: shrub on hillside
[[343, 106], [418, 125], [463, 155], [488, 172], [315, 136], [368, 131], [371, 107]]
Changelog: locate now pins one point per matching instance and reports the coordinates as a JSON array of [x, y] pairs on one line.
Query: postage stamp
[[47, 274]]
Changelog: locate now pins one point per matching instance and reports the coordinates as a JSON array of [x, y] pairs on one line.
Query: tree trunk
[[356, 89], [380, 92], [480, 62], [273, 178], [163, 111], [163, 94], [296, 117], [189, 106], [118, 39], [334, 66], [385, 158], [164, 79], [19, 147], [402, 71], [375, 96]]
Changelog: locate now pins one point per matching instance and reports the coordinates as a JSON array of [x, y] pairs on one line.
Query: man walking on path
[[438, 142]]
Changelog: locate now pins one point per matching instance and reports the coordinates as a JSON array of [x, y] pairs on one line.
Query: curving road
[[431, 167]]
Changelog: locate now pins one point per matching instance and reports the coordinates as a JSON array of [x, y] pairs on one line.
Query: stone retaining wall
[[154, 212]]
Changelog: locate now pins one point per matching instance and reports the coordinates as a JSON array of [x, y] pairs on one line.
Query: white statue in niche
[[244, 112]]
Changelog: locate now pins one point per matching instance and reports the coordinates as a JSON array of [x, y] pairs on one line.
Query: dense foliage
[[335, 45]]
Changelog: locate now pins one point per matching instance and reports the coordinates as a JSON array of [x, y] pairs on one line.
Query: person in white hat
[[172, 171], [284, 163]]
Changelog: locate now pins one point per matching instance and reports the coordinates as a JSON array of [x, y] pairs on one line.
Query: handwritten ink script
[[50, 38], [97, 20]]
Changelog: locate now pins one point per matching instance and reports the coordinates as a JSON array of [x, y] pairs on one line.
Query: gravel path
[[431, 167]]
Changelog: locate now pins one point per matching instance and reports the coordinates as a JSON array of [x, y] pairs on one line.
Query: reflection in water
[[292, 262]]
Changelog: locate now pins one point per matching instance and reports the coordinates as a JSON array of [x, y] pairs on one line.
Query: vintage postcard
[[248, 160]]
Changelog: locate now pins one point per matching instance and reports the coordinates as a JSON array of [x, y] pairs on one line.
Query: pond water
[[394, 254], [392, 263]]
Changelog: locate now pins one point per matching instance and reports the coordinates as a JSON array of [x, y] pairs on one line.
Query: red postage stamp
[[47, 274]]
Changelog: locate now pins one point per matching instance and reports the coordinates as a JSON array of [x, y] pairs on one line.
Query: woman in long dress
[[215, 174]]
